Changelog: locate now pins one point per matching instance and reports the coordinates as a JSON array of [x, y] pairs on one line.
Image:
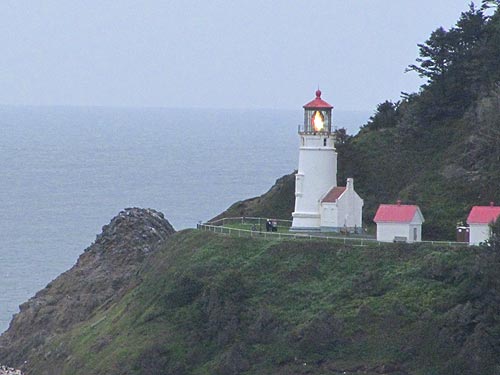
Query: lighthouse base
[[306, 222]]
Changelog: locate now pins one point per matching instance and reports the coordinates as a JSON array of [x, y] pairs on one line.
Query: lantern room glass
[[310, 114]]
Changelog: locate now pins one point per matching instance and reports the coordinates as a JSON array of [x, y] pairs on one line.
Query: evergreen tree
[[385, 116]]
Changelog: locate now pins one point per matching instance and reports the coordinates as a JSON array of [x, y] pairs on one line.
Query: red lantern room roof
[[318, 102]]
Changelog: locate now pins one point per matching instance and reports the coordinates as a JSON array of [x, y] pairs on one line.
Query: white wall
[[478, 233], [418, 228], [329, 215], [317, 174], [387, 231], [347, 211], [350, 208]]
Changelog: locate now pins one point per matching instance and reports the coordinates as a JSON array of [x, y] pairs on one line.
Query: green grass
[[256, 227], [208, 303]]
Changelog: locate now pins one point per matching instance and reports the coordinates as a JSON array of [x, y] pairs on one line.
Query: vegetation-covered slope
[[278, 202], [439, 148], [209, 304], [103, 274]]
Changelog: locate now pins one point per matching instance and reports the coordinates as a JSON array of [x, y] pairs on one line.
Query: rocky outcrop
[[102, 274]]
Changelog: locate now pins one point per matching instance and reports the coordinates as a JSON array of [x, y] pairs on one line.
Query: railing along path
[[219, 226], [279, 235]]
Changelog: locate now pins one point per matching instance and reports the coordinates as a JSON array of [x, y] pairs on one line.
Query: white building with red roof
[[480, 218], [319, 203], [399, 223], [341, 209]]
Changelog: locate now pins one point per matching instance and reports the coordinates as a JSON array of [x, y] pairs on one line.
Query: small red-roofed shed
[[480, 218], [399, 223]]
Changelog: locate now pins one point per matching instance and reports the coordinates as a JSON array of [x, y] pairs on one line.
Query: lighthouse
[[321, 205]]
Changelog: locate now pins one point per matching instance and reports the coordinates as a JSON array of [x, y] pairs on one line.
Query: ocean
[[66, 171]]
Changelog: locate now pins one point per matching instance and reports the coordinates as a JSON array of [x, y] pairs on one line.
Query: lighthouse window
[[324, 142], [299, 181]]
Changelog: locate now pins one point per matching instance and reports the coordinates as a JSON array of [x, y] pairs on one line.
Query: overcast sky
[[213, 53]]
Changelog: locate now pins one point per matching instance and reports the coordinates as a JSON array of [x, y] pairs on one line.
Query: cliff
[[204, 303], [105, 272]]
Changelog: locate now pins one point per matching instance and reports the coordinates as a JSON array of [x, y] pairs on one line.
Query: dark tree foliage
[[435, 56], [445, 49], [386, 116], [460, 64], [341, 136], [494, 241], [438, 148], [453, 62]]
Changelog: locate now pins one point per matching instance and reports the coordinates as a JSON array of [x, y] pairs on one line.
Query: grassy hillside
[[278, 202], [438, 148], [210, 304]]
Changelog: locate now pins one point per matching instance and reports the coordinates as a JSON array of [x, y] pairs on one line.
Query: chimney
[[350, 184]]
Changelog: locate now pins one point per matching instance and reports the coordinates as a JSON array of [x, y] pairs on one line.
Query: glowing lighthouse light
[[318, 121]]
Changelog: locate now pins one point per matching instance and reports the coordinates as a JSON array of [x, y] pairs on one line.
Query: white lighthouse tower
[[317, 173], [321, 205]]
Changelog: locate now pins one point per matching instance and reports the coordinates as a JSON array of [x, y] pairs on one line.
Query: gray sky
[[213, 53]]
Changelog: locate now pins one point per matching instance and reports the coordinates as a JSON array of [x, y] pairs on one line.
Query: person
[[268, 225], [274, 225]]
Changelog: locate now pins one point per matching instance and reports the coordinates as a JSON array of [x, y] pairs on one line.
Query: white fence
[[220, 226], [278, 235], [258, 221], [446, 243]]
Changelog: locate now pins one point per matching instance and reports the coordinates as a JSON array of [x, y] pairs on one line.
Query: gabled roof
[[334, 194], [318, 102], [397, 213], [483, 214]]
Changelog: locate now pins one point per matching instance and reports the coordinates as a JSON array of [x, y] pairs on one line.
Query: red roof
[[483, 214], [334, 194], [318, 102], [397, 213]]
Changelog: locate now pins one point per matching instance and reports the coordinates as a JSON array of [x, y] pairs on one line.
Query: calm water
[[65, 172]]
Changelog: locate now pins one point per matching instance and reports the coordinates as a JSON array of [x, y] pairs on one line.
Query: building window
[[414, 234]]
